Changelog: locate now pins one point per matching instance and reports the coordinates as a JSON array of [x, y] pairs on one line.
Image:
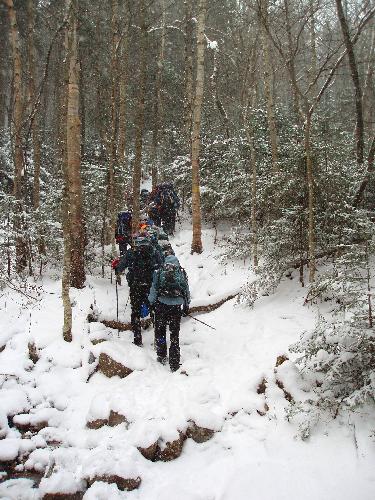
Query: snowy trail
[[250, 456]]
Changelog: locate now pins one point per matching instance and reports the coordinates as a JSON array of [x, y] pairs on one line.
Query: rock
[[29, 426], [281, 359], [96, 424], [64, 496], [261, 389], [116, 419], [172, 449], [122, 483], [199, 434], [264, 411], [150, 453], [33, 352], [287, 394], [110, 368]]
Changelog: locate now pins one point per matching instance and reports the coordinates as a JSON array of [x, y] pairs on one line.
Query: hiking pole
[[200, 321], [116, 300]]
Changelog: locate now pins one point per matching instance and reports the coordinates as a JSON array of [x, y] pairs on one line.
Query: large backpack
[[124, 223], [166, 197], [172, 281], [144, 262]]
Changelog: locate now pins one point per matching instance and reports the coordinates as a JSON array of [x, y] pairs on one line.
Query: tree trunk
[[216, 96], [35, 123], [17, 111], [311, 199], [158, 108], [111, 215], [73, 155], [268, 89], [122, 121], [137, 168], [65, 285], [196, 245], [359, 128], [188, 99]]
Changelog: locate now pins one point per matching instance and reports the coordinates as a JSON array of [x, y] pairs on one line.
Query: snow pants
[[169, 221], [168, 315], [138, 296]]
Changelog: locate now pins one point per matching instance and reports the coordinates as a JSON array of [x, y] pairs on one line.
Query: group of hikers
[[158, 284]]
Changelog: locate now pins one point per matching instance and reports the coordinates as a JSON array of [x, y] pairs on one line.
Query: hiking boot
[[138, 342], [162, 360], [174, 368]]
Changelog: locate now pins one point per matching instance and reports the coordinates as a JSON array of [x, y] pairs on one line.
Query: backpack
[[172, 281], [124, 223], [144, 261]]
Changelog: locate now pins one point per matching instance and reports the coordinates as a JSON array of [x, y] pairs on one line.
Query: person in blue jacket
[[169, 292]]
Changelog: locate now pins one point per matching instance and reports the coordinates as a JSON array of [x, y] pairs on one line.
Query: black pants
[[138, 296], [168, 315]]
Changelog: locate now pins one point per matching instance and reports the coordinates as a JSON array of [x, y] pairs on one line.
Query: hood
[[172, 259]]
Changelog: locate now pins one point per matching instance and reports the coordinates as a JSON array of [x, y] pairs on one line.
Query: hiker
[[169, 291], [143, 199], [169, 203], [141, 261], [123, 230], [154, 213]]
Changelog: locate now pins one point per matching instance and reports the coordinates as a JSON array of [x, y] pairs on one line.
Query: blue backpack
[[124, 223]]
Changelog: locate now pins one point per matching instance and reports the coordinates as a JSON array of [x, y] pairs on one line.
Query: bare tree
[[196, 245]]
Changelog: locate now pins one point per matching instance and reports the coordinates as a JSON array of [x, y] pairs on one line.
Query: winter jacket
[[155, 288]]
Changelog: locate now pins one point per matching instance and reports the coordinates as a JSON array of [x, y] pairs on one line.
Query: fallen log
[[145, 323]]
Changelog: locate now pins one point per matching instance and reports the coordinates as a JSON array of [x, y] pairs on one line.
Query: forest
[[262, 115]]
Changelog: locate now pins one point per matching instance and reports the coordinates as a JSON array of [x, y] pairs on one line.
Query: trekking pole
[[116, 300], [203, 323]]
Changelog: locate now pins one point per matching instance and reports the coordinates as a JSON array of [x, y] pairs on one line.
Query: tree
[[17, 115], [73, 154], [196, 246]]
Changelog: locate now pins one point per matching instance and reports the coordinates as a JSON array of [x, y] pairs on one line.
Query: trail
[[253, 453]]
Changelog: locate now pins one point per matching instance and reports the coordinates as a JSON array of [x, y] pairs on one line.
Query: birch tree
[[196, 245]]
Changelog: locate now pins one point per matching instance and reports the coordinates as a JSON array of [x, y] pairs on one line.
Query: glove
[[118, 279], [185, 310], [115, 263]]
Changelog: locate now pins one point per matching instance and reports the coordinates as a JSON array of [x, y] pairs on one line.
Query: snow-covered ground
[[255, 453]]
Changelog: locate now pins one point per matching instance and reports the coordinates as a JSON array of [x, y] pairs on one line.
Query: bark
[[139, 127], [216, 96], [196, 246], [17, 112], [111, 215], [359, 128], [158, 108], [122, 121], [311, 198], [65, 284], [119, 325], [73, 155], [368, 98], [268, 89], [35, 122], [291, 66], [188, 100]]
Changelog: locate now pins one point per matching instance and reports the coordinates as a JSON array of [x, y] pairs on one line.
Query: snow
[[250, 456]]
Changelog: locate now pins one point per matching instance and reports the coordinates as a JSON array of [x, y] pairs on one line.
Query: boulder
[[199, 434], [78, 495], [111, 368], [122, 483], [261, 389], [116, 419], [96, 424], [171, 449], [150, 453], [281, 359]]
